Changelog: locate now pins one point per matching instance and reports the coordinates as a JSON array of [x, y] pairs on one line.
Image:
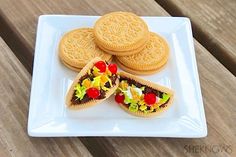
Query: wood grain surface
[[214, 25], [217, 83], [15, 84], [18, 18]]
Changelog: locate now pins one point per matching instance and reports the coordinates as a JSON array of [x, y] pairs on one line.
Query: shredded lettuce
[[133, 107], [143, 107], [109, 80], [142, 102], [96, 81], [96, 71], [142, 88], [105, 88], [80, 91], [133, 86], [165, 98], [127, 98]]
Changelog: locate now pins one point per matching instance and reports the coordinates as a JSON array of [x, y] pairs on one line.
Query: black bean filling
[[76, 101], [107, 84], [146, 90]]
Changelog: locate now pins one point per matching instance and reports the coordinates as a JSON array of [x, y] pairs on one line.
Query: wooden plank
[[18, 18], [215, 79], [214, 25], [15, 84]]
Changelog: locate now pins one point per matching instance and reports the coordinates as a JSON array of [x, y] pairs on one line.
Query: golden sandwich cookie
[[77, 48], [123, 53], [75, 68], [139, 72], [120, 31], [154, 56], [71, 67]]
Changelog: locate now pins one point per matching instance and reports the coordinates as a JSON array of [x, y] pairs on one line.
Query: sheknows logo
[[208, 148]]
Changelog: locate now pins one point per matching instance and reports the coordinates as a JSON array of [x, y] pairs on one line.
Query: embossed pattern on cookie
[[77, 48], [120, 31], [153, 56]]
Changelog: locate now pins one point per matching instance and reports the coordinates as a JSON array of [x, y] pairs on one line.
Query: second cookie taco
[[142, 98], [95, 82]]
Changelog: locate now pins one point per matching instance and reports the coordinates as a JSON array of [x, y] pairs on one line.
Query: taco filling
[[95, 83], [138, 97]]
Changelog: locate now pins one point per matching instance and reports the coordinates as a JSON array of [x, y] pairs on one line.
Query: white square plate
[[48, 115]]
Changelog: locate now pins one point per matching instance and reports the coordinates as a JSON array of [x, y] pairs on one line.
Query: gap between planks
[[22, 51], [202, 38]]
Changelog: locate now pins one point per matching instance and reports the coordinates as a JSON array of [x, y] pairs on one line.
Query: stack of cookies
[[149, 60], [126, 36], [122, 34]]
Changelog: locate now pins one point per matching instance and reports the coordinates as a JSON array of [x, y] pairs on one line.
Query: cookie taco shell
[[91, 102], [153, 86]]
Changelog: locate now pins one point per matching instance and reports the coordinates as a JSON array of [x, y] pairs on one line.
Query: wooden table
[[214, 25]]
